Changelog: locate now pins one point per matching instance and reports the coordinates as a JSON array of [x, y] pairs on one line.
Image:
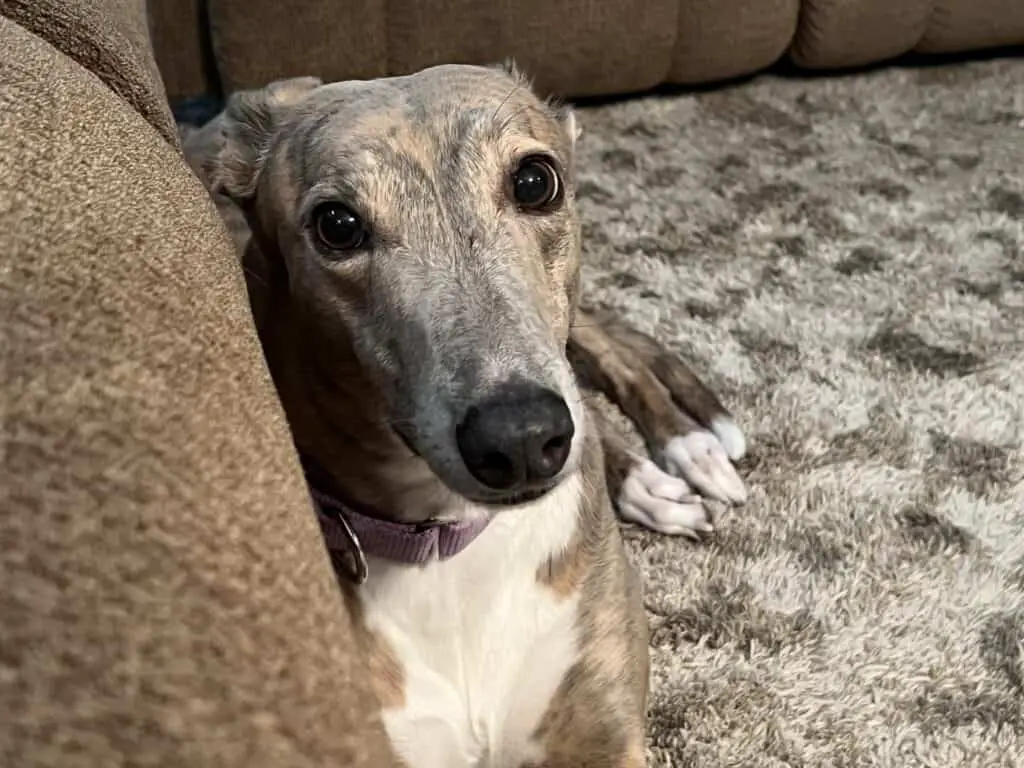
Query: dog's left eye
[[338, 227], [535, 184]]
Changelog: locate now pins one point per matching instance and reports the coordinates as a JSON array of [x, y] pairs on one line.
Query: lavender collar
[[352, 534]]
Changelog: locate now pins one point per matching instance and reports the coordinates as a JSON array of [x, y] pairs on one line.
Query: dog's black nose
[[517, 439]]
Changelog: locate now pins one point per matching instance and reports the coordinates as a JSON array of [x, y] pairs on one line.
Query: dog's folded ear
[[567, 116], [248, 125]]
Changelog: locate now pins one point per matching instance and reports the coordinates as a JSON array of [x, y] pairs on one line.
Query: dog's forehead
[[441, 106]]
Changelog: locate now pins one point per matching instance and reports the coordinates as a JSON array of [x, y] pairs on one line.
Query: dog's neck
[[352, 536]]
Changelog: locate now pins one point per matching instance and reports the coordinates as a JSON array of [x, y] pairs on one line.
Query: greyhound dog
[[691, 436], [412, 249]]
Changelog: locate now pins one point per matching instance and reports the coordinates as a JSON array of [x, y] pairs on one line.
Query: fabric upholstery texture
[[167, 598], [718, 39], [110, 38], [572, 48], [181, 45], [957, 25], [838, 33]]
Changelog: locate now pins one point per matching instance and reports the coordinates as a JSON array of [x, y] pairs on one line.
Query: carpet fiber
[[844, 259]]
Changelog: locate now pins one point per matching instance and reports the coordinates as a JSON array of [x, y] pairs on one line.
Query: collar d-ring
[[359, 569]]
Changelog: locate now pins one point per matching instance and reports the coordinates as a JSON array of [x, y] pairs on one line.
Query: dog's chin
[[512, 499]]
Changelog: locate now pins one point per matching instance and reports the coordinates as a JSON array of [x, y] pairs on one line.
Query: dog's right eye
[[337, 227], [535, 184]]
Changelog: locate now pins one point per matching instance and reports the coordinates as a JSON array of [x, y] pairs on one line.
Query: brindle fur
[[597, 716], [463, 295], [659, 393]]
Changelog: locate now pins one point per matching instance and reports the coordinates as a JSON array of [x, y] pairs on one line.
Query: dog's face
[[426, 229]]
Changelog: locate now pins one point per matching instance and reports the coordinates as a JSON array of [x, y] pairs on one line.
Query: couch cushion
[[576, 47], [262, 40], [719, 39], [166, 599], [958, 25], [841, 33], [110, 38], [181, 47]]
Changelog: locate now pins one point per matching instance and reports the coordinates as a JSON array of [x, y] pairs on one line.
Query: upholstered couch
[[165, 597], [572, 47]]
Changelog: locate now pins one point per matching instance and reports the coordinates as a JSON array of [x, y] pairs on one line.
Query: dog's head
[[422, 231]]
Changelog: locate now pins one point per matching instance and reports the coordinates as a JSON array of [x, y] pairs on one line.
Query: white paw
[[701, 460], [730, 436], [666, 504]]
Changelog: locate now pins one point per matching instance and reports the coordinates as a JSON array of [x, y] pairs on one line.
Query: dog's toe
[[701, 460], [656, 500], [730, 436]]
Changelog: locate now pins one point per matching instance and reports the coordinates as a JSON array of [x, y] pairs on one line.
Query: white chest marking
[[484, 647]]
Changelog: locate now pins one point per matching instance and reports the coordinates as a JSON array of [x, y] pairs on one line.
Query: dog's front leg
[[691, 435]]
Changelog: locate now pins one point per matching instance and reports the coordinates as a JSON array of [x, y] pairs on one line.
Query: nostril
[[551, 455], [555, 448], [485, 453], [495, 470]]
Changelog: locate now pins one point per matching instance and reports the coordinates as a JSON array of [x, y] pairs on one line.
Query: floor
[[844, 259]]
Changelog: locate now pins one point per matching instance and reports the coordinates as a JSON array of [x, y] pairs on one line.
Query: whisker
[[503, 126], [504, 101], [397, 422], [255, 276]]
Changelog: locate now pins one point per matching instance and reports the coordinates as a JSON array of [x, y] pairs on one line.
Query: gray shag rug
[[844, 259]]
